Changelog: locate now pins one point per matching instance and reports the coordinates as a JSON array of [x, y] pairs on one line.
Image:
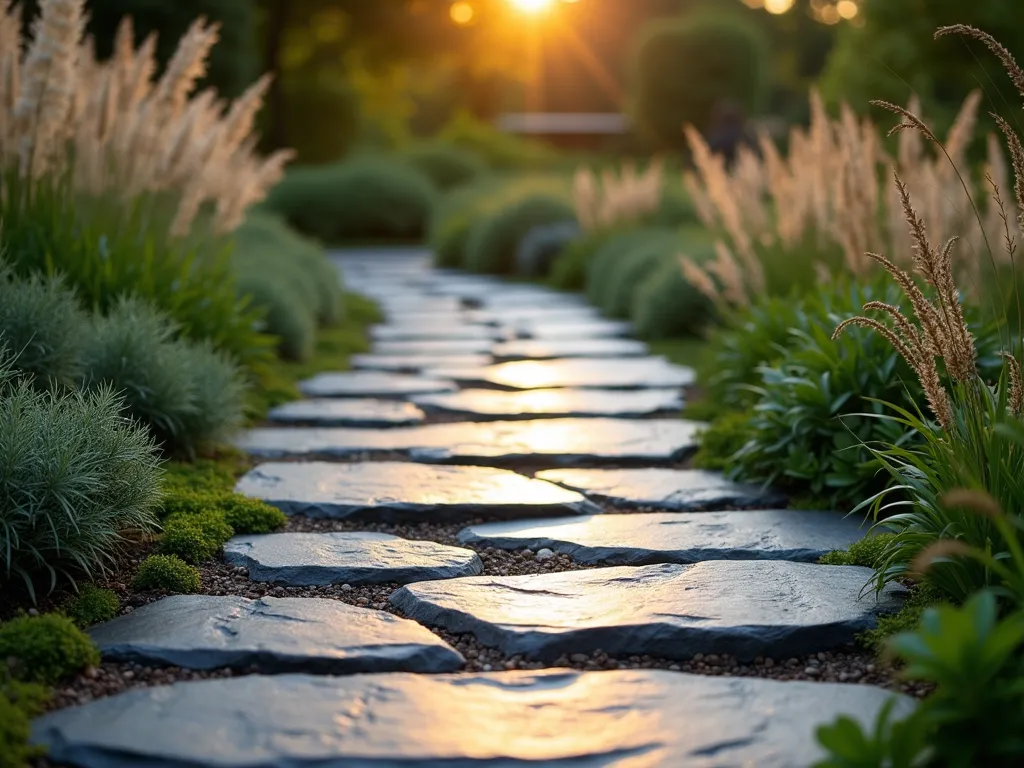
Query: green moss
[[247, 515], [721, 440], [867, 552], [19, 703], [46, 649], [905, 620], [210, 475], [195, 537], [167, 572], [92, 605]]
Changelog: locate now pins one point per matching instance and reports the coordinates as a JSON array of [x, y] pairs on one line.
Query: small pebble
[[545, 554]]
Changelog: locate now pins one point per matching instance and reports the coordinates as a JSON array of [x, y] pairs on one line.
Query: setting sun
[[531, 6]]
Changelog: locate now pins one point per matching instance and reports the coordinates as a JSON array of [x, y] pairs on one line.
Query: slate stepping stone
[[551, 349], [371, 384], [287, 634], [673, 489], [520, 315], [320, 559], [434, 330], [415, 363], [587, 329], [434, 347], [348, 413], [554, 442], [550, 403], [603, 373], [635, 718], [402, 491], [744, 608], [678, 537]]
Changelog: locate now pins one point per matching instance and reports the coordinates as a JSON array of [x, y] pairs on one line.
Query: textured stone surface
[[533, 403], [678, 537], [742, 608], [588, 329], [434, 347], [620, 719], [430, 330], [355, 412], [316, 559], [371, 384], [289, 634], [674, 489], [557, 348], [415, 363], [603, 373], [403, 491], [558, 442], [573, 313]]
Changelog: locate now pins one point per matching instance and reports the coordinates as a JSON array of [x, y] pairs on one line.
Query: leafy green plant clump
[[75, 475], [168, 573], [46, 649], [664, 304], [867, 552], [492, 241], [92, 605], [196, 537], [366, 198], [19, 703]]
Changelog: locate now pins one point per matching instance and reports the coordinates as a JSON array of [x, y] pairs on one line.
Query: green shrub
[[73, 475], [197, 537], [42, 325], [616, 270], [499, 150], [243, 514], [46, 648], [167, 573], [492, 241], [286, 315], [867, 552], [447, 165], [19, 704], [685, 67], [331, 134], [722, 440], [666, 305], [187, 394], [450, 239], [366, 198], [569, 272], [92, 605]]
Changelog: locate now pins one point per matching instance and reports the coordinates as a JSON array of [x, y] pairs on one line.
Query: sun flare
[[531, 6]]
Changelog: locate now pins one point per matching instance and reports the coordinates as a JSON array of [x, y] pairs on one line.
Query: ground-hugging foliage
[[492, 241], [195, 538], [42, 324], [367, 198], [19, 703], [46, 648], [168, 573], [74, 474], [92, 605], [243, 514]]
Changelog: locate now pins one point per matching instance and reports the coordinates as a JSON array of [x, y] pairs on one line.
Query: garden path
[[524, 418]]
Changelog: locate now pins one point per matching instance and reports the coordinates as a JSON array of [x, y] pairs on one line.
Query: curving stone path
[[611, 719], [320, 559], [274, 634], [402, 491], [558, 389]]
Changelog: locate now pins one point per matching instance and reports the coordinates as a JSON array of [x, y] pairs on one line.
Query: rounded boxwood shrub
[[450, 238], [620, 266], [569, 270], [366, 198], [42, 325], [666, 305], [447, 165], [195, 538], [92, 605], [493, 240], [46, 649], [285, 314], [168, 573]]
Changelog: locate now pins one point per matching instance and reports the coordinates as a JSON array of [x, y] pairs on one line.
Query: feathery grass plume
[[617, 199], [976, 501], [939, 550]]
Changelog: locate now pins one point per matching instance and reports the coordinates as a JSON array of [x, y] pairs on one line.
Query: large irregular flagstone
[[678, 537], [318, 559], [619, 719], [555, 442], [551, 349], [403, 491], [371, 384], [434, 347], [600, 373], [428, 330], [743, 608], [415, 363], [356, 412], [573, 313], [551, 403], [672, 489], [289, 634], [583, 329]]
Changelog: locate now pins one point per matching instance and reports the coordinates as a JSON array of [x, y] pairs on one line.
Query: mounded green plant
[[569, 271], [493, 240], [666, 305], [74, 474], [188, 394], [616, 269], [365, 198], [447, 165], [243, 514], [197, 537], [46, 648], [42, 324], [168, 573], [286, 315], [866, 553], [19, 704], [92, 605]]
